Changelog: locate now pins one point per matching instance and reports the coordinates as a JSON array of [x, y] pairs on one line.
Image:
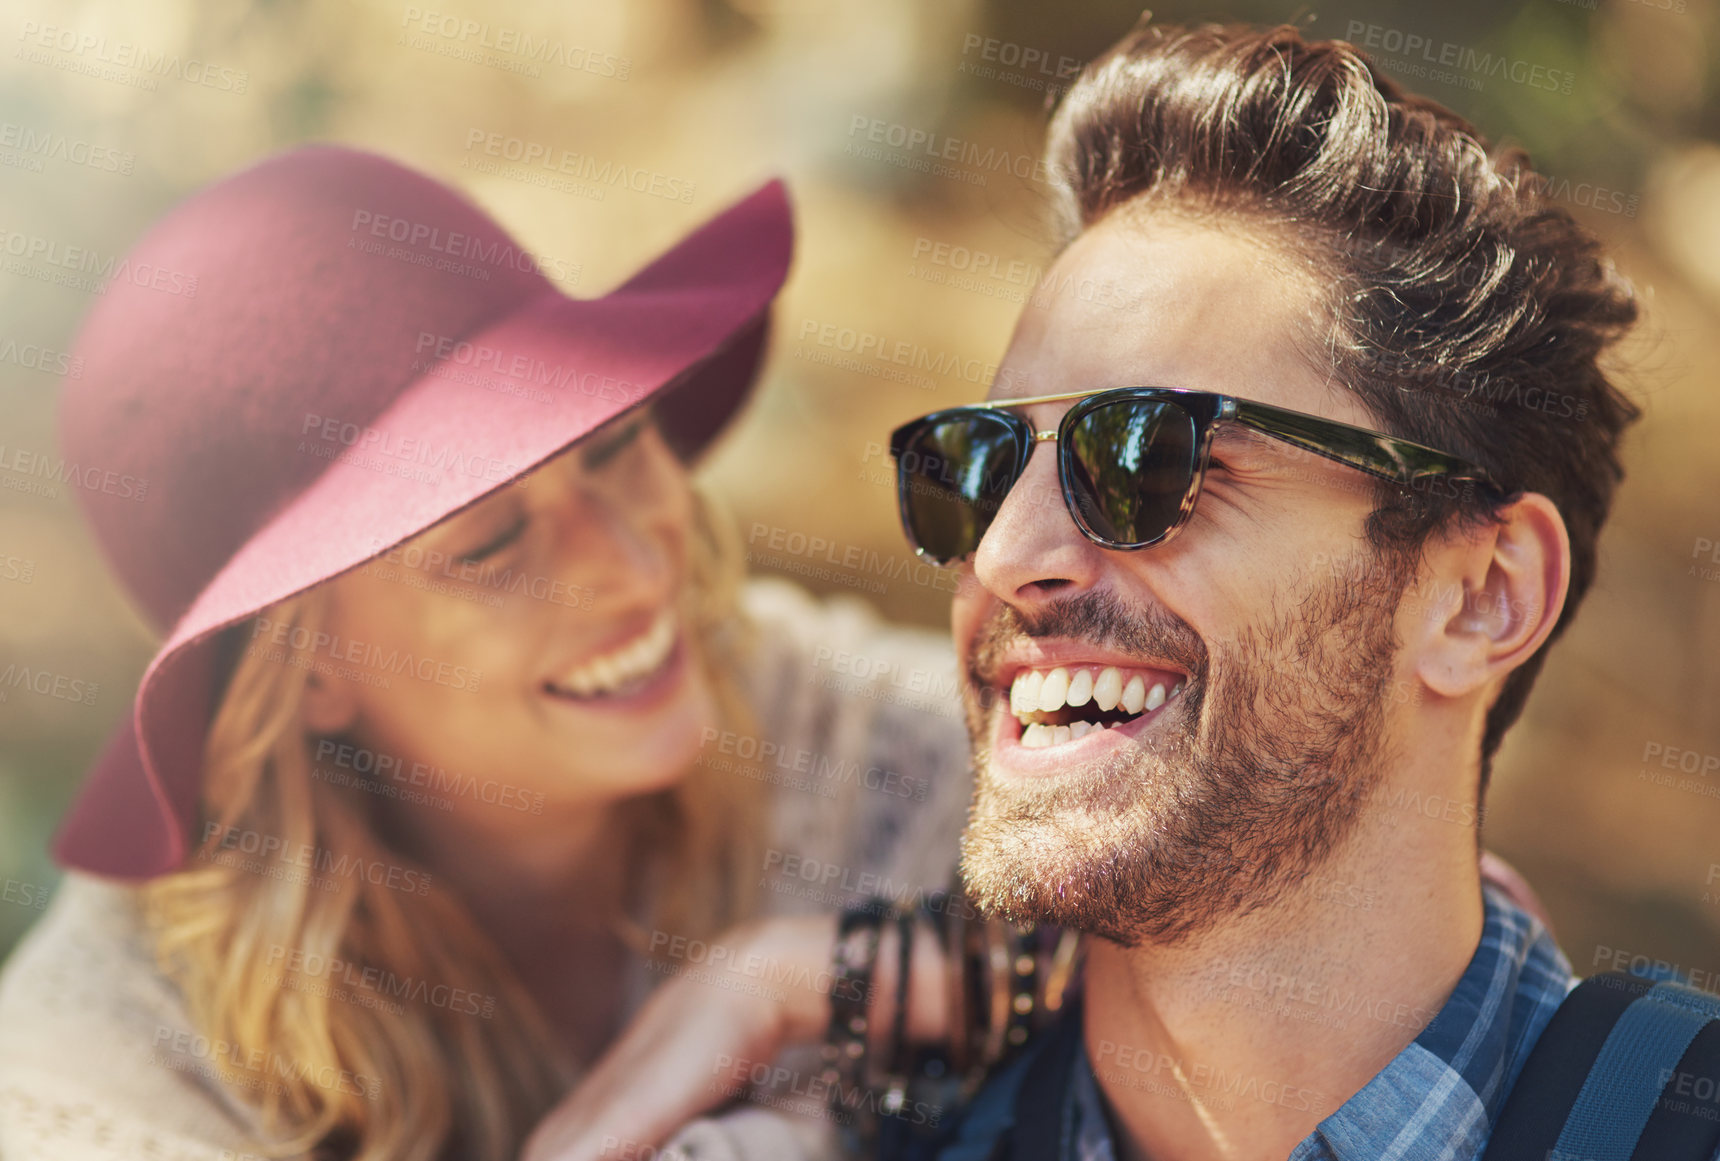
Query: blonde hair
[[350, 1070]]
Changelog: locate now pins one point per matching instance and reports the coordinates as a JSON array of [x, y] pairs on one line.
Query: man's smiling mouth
[[1064, 703]]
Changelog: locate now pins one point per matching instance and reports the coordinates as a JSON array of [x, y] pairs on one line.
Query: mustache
[[1097, 618]]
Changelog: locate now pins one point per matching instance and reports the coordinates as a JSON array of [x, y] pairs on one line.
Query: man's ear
[[329, 705], [1489, 596]]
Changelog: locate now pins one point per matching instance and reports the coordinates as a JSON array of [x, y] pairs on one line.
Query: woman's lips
[[634, 676], [640, 693], [627, 665]]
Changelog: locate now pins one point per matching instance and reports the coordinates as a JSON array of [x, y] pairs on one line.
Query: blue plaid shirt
[[1438, 1098]]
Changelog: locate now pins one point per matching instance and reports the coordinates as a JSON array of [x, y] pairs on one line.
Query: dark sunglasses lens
[[1130, 465], [952, 477]]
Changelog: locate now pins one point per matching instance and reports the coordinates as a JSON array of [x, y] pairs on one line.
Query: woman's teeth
[[1036, 694], [628, 665]]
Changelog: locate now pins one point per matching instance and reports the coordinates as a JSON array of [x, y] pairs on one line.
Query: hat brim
[[487, 408]]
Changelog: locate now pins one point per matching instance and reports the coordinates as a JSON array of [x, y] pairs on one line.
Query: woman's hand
[[761, 988], [668, 1066]]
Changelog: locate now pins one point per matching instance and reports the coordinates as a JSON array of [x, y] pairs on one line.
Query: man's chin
[[1109, 852], [1047, 864]]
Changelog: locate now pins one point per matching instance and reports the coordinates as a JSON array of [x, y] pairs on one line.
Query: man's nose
[[1033, 553]]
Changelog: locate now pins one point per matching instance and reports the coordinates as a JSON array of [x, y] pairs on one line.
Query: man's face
[[1250, 773]]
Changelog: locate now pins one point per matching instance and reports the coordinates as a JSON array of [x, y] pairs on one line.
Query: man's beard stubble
[[1171, 836]]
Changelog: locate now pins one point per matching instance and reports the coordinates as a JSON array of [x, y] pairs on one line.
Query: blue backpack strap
[[1552, 1077], [1038, 1133], [1018, 1115], [1607, 1065], [1635, 1064], [1686, 1119]]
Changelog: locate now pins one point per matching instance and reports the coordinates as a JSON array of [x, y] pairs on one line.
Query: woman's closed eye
[[496, 543], [603, 451]]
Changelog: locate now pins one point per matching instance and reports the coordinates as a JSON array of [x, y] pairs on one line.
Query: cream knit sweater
[[99, 1062]]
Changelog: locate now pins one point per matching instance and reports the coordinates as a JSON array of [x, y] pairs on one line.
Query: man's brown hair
[[1464, 310]]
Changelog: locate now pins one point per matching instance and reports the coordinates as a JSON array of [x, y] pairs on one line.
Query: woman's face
[[533, 644]]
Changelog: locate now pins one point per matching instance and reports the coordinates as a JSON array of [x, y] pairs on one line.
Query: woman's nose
[[608, 545]]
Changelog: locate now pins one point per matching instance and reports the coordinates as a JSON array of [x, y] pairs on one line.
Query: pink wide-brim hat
[[322, 356]]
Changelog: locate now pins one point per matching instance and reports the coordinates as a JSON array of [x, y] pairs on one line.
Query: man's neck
[[1236, 1043]]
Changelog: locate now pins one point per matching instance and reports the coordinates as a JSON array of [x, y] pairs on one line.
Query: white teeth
[[1030, 690], [1108, 690], [638, 658], [1080, 687], [1052, 691], [1134, 695], [1034, 692]]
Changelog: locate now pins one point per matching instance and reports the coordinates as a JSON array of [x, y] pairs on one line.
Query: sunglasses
[[1130, 461]]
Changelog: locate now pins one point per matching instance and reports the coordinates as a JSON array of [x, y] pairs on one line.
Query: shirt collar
[[1446, 1086]]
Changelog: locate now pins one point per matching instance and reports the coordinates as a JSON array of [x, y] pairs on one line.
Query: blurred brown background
[[906, 283]]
